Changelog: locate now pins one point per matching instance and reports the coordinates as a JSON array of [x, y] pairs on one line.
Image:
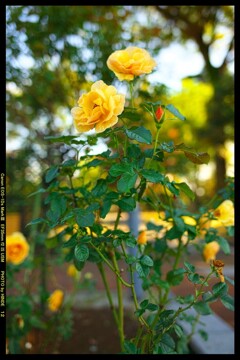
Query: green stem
[[131, 93], [156, 141], [177, 259], [120, 303], [72, 188], [109, 296], [110, 265]]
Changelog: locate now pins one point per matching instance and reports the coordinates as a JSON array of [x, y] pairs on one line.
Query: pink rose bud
[[159, 113]]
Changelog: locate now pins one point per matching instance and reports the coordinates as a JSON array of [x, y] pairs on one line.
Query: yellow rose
[[17, 248], [142, 238], [224, 215], [55, 300], [188, 220], [73, 272], [210, 251], [98, 108], [130, 62]]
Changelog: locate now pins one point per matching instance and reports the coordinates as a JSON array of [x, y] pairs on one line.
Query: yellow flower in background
[[142, 238], [55, 300], [210, 251], [98, 108], [73, 272], [130, 62], [225, 213], [17, 248], [188, 220]]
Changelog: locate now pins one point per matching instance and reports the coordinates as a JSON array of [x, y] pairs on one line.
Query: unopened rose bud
[[142, 238], [159, 113]]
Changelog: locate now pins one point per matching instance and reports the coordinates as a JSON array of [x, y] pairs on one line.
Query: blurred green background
[[55, 52]]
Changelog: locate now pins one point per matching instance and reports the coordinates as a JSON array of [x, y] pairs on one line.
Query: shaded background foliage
[[55, 52]]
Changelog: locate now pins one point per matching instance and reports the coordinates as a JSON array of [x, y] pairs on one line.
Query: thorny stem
[[119, 290], [110, 265], [109, 296]]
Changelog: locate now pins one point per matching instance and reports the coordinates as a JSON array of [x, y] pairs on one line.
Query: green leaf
[[173, 233], [65, 139], [166, 344], [152, 226], [126, 203], [146, 260], [152, 175], [144, 304], [194, 278], [84, 217], [37, 323], [203, 334], [175, 277], [139, 312], [69, 163], [100, 188], [152, 307], [81, 252], [79, 264], [202, 308], [224, 245], [189, 266], [186, 189], [228, 302], [197, 158], [126, 182], [167, 146], [171, 187], [231, 281], [105, 208], [178, 330], [119, 169], [131, 241], [139, 134], [129, 347], [209, 297], [220, 289], [71, 242], [130, 259], [94, 163], [36, 221], [142, 270], [175, 112], [165, 320], [51, 173]]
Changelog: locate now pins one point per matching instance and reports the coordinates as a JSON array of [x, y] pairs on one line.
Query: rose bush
[[130, 167]]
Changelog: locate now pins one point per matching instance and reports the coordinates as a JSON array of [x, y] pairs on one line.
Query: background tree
[[54, 52], [203, 25]]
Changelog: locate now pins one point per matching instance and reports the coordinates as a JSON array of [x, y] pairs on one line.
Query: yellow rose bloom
[[98, 108], [142, 238], [210, 251], [188, 220], [55, 300], [130, 62], [17, 248], [72, 271], [225, 213]]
